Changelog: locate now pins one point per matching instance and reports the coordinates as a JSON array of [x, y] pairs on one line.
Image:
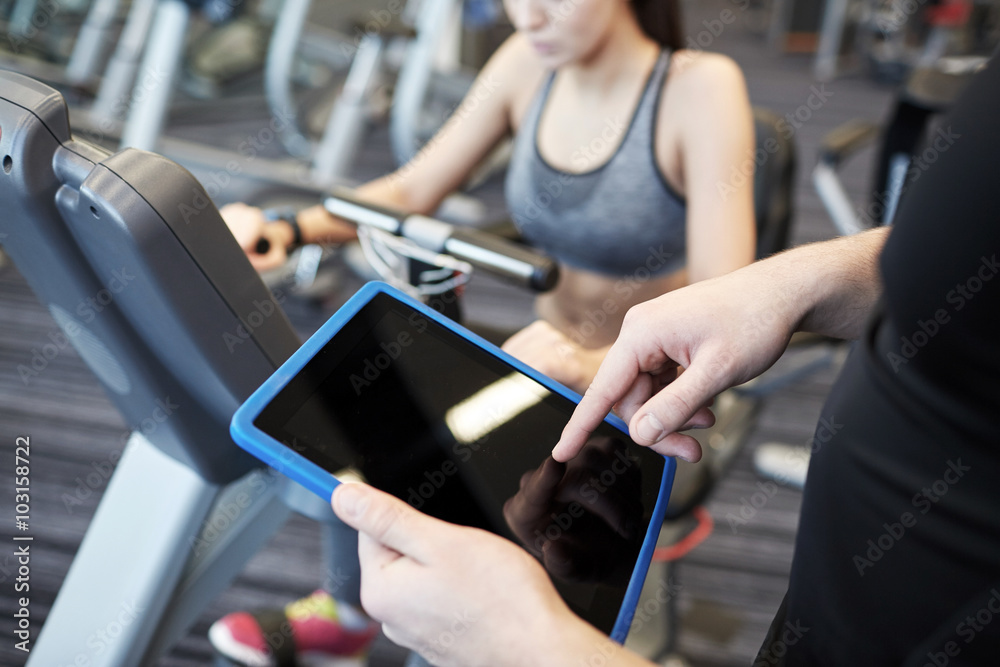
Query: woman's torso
[[597, 191]]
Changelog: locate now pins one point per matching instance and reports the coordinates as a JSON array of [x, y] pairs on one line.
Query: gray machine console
[[138, 269]]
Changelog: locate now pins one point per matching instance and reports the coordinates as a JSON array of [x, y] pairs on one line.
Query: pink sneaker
[[316, 631]]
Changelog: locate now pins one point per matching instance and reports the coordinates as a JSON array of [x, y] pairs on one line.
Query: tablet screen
[[422, 413]]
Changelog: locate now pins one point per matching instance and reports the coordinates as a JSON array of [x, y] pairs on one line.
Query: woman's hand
[[546, 349], [249, 226]]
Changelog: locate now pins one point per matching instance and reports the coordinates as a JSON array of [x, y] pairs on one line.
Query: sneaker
[[316, 631]]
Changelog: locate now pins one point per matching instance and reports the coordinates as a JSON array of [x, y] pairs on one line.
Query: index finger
[[617, 374]]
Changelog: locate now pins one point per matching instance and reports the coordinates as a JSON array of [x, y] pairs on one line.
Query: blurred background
[[274, 103]]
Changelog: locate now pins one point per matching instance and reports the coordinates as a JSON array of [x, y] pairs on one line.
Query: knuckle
[[676, 407], [383, 520]]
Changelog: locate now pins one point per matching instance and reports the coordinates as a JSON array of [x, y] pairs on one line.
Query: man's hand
[[456, 595], [677, 352]]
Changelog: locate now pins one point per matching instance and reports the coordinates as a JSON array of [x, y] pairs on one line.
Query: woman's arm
[[706, 100], [706, 106], [476, 126]]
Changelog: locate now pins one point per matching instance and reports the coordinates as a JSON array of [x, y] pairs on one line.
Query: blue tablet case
[[291, 463]]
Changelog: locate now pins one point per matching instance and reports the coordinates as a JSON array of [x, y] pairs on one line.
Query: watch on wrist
[[290, 217]]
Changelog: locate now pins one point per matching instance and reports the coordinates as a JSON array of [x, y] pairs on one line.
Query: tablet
[[391, 391]]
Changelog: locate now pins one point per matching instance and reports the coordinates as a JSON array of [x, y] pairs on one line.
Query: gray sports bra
[[621, 218]]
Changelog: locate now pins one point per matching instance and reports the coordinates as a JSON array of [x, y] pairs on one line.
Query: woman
[[622, 141]]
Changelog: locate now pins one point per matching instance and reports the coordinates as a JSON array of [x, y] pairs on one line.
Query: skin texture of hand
[[640, 376], [248, 225], [723, 332], [546, 349], [462, 596]]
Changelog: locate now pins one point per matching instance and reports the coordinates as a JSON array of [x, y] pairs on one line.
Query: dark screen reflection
[[582, 519]]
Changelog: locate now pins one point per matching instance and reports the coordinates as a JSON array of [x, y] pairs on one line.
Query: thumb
[[672, 407], [384, 518]]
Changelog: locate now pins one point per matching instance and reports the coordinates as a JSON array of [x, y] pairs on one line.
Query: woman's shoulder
[[701, 70], [517, 48], [517, 71], [516, 58], [703, 89]]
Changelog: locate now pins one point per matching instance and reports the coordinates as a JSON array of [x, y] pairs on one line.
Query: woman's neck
[[623, 54]]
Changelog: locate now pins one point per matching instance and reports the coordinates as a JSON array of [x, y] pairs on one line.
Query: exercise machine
[[928, 91], [188, 323], [184, 321], [317, 163]]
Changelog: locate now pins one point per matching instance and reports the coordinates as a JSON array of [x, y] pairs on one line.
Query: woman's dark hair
[[661, 20]]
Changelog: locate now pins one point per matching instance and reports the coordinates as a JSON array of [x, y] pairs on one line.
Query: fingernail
[[559, 452], [649, 428], [351, 499]]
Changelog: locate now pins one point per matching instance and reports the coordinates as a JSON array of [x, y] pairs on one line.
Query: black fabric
[[277, 631], [902, 136], [897, 559]]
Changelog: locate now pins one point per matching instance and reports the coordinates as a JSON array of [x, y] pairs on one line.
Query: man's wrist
[[826, 287], [569, 641]]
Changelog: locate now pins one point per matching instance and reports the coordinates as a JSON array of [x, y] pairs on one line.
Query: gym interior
[[279, 105]]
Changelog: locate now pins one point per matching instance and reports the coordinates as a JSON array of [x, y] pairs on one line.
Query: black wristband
[[289, 216]]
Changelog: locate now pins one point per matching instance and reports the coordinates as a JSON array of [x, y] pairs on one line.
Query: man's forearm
[[829, 287]]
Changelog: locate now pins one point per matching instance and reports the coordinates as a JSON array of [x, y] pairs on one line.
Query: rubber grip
[[528, 267]]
